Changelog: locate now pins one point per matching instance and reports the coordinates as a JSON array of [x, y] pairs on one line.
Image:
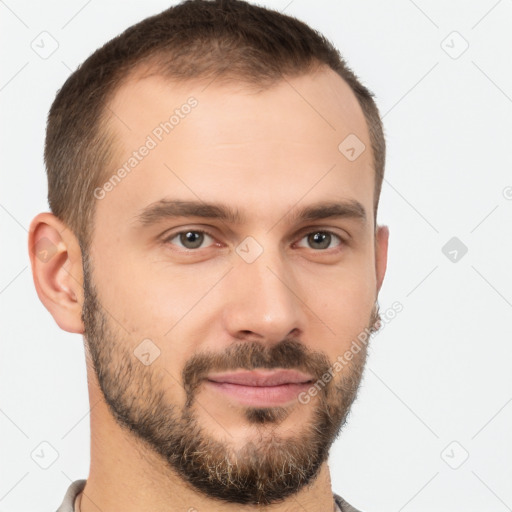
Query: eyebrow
[[168, 208]]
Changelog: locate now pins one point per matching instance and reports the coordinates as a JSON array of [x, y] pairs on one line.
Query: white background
[[438, 373]]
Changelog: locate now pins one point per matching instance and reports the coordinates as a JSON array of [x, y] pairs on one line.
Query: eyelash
[[303, 235]]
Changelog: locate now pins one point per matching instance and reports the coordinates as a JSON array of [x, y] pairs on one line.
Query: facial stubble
[[269, 467]]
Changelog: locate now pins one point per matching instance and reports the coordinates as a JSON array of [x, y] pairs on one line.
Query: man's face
[[174, 302]]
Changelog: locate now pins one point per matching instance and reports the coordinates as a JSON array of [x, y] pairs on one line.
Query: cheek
[[343, 301], [143, 298], [167, 307]]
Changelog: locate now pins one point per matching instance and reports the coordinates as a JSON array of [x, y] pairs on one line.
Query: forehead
[[321, 98], [226, 142]]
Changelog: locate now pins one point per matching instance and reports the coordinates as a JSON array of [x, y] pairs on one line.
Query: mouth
[[261, 388], [262, 377]]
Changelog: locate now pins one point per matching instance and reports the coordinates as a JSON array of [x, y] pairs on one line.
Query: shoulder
[[344, 506], [68, 504]]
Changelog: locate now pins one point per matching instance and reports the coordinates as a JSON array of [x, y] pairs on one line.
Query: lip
[[262, 377], [261, 388]]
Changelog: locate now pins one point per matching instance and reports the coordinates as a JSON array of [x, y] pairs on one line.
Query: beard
[[266, 469]]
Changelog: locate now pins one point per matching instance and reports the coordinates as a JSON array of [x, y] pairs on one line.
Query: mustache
[[287, 354]]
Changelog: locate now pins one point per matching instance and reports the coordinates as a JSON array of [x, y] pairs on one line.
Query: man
[[214, 175]]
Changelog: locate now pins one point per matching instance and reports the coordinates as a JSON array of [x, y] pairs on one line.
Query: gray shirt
[[68, 505]]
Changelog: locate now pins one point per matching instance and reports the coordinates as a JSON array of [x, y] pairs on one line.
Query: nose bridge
[[263, 299]]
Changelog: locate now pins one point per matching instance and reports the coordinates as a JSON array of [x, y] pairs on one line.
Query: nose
[[263, 300]]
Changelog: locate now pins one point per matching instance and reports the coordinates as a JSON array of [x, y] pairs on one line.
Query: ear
[[56, 261], [381, 253]]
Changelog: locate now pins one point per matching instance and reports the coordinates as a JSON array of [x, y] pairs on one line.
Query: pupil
[[192, 238], [321, 238]]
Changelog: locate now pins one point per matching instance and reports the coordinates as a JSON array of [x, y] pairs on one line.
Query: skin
[[267, 153]]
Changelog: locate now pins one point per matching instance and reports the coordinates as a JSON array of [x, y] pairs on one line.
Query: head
[[214, 176]]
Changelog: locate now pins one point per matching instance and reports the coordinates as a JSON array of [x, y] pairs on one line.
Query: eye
[[190, 239], [320, 240]]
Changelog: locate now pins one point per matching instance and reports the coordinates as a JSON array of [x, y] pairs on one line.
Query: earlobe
[[381, 254], [56, 262]]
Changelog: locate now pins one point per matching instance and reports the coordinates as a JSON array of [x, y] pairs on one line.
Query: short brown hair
[[194, 39]]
